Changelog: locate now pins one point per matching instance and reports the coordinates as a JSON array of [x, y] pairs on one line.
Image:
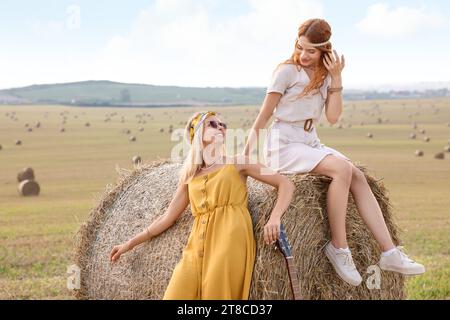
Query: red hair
[[316, 31]]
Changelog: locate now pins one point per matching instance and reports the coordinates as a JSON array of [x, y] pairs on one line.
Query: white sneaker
[[342, 262], [398, 261]]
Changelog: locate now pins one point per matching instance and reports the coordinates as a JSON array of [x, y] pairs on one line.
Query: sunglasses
[[215, 124]]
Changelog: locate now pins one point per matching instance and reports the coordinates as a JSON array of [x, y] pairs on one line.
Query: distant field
[[74, 167]]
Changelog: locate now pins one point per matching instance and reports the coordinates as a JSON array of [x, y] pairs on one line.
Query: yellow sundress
[[217, 262]]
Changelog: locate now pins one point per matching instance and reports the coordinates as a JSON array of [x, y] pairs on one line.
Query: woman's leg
[[369, 209], [340, 170]]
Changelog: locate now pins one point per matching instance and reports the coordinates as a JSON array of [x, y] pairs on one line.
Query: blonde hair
[[194, 159]]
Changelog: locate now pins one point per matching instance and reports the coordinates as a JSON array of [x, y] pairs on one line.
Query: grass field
[[73, 168]]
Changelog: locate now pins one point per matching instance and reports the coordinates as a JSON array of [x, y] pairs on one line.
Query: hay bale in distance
[[419, 153], [141, 195], [446, 148], [132, 138], [412, 136], [426, 139], [18, 142], [1, 147], [369, 135], [28, 188], [25, 174], [439, 155], [136, 160]]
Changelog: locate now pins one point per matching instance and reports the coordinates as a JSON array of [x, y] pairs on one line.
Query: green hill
[[124, 94]]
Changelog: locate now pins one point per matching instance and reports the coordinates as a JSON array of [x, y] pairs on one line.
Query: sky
[[216, 43]]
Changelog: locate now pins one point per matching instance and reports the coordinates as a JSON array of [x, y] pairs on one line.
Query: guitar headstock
[[283, 242]]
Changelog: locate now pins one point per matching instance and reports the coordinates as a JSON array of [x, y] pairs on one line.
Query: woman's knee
[[335, 168], [343, 171], [357, 175]]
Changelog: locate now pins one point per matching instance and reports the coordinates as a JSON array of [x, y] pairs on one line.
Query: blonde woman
[[218, 260], [296, 96]]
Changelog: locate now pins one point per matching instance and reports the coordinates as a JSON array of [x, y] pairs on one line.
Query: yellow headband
[[195, 124]]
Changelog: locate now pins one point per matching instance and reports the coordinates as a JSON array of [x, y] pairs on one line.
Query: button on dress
[[218, 259], [288, 148]]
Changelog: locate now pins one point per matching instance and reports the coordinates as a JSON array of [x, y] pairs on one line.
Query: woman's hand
[[117, 251], [334, 64], [272, 230]]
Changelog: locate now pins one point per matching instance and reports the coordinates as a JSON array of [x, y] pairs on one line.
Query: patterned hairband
[[195, 124], [314, 44]]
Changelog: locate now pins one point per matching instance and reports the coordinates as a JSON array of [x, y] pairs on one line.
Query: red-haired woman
[[299, 89]]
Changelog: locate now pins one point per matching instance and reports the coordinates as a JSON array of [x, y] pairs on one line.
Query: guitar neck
[[293, 278]]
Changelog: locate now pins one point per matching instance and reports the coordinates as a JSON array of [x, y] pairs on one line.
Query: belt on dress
[[307, 124]]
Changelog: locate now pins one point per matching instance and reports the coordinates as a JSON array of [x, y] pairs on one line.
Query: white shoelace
[[403, 255], [348, 261]]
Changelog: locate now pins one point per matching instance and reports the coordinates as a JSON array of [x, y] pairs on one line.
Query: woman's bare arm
[[285, 188], [333, 103], [176, 207], [270, 102]]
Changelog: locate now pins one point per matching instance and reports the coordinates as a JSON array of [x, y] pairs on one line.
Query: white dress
[[288, 148]]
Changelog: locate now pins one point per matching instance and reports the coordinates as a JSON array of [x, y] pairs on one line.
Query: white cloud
[[47, 29], [381, 20], [177, 42]]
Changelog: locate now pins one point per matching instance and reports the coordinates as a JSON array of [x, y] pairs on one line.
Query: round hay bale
[[412, 135], [369, 135], [132, 138], [38, 124], [25, 174], [87, 124], [439, 155], [1, 147], [446, 148], [62, 130], [143, 194], [419, 153], [141, 129], [30, 129], [136, 160], [28, 188], [161, 130], [422, 131], [426, 139], [18, 142]]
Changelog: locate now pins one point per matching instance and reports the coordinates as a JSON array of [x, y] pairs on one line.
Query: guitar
[[285, 248]]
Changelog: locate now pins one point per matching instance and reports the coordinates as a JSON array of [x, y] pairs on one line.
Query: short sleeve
[[325, 86], [280, 79]]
